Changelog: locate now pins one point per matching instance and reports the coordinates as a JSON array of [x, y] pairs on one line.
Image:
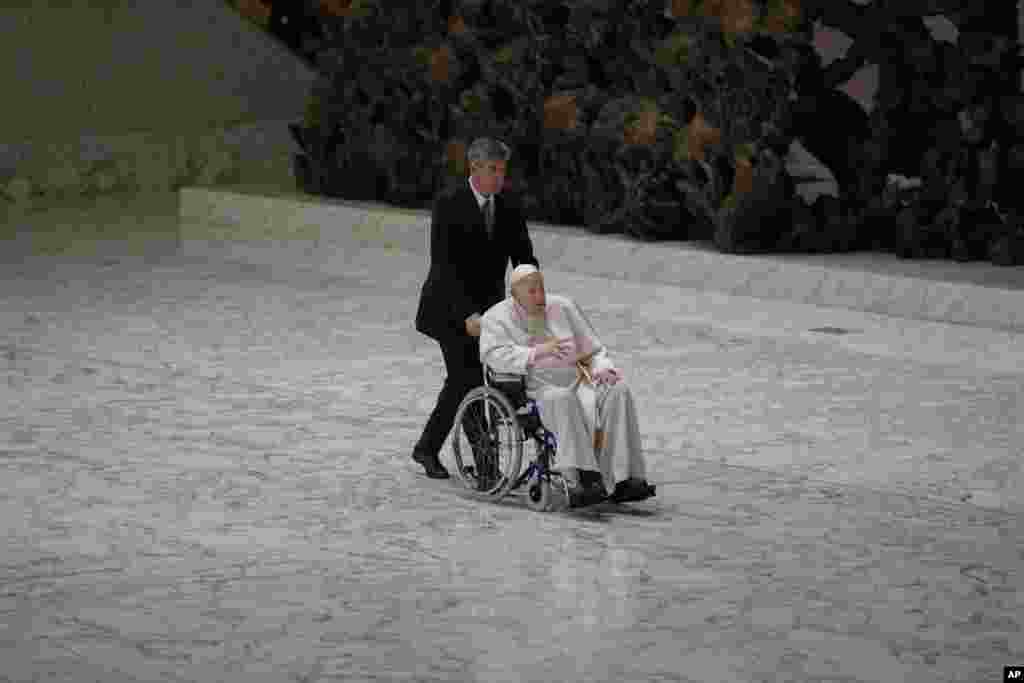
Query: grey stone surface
[[205, 476], [251, 218]]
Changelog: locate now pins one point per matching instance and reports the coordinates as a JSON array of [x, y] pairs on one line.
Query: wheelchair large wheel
[[487, 443]]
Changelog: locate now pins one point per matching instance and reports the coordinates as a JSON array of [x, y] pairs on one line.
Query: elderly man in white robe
[[580, 393]]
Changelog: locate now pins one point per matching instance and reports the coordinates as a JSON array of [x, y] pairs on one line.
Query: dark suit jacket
[[467, 270]]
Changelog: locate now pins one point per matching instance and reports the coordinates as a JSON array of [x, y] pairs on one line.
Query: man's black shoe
[[631, 489], [432, 464]]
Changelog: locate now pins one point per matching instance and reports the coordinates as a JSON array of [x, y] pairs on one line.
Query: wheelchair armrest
[[503, 377], [511, 384]]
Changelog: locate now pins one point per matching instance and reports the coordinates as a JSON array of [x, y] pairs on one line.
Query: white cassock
[[569, 407]]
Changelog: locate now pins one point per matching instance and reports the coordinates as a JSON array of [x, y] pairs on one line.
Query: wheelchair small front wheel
[[548, 493], [538, 495], [487, 443]]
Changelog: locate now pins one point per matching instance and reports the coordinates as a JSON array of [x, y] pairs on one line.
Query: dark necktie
[[489, 215]]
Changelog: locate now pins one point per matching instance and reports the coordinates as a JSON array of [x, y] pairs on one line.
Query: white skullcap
[[521, 271]]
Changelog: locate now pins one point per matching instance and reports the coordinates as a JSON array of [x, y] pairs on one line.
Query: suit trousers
[[464, 373]]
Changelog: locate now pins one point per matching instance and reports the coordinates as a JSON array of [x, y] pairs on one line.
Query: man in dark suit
[[474, 231]]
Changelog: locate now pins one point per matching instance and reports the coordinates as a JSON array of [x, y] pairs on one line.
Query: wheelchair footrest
[[589, 491], [587, 494], [582, 497]]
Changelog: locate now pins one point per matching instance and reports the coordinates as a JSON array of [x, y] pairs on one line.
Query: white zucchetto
[[521, 271]]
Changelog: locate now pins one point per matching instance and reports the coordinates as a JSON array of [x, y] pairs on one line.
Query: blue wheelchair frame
[[548, 488], [513, 388]]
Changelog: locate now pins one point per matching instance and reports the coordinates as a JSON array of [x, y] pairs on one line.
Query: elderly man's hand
[[555, 348], [608, 376], [473, 326]]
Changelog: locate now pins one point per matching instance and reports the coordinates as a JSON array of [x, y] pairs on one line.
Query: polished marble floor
[[204, 476]]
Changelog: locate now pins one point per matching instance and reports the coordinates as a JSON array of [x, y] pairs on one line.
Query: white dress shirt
[[480, 197]]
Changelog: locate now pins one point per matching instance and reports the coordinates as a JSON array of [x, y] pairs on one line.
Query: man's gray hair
[[488, 149]]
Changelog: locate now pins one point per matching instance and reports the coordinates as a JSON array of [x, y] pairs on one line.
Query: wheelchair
[[499, 423]]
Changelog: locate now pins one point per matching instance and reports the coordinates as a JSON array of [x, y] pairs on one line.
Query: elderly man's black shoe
[[589, 491], [630, 490], [432, 464]]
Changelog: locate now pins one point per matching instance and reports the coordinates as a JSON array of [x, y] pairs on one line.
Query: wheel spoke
[[493, 438]]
